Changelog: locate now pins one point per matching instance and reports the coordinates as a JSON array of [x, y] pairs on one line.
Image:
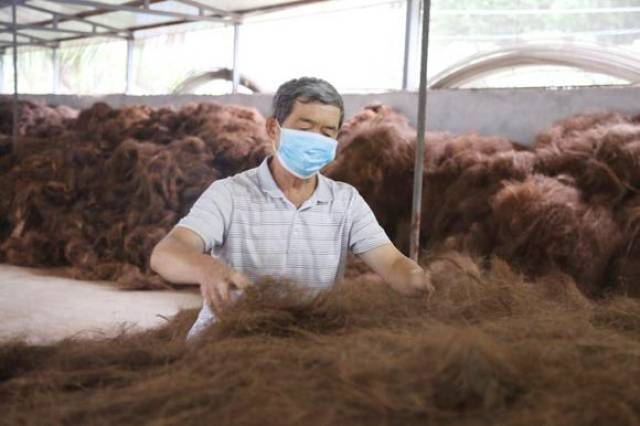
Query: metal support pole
[[420, 142], [55, 59], [236, 63], [411, 45], [129, 75], [2, 71], [14, 133]]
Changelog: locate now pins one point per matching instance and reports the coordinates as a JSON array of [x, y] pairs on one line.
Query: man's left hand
[[401, 273], [419, 283]]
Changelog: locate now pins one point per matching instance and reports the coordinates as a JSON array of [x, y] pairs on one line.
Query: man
[[283, 218]]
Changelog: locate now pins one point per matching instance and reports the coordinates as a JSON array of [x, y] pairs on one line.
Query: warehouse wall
[[514, 113]]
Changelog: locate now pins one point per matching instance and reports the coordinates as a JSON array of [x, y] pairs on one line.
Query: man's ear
[[273, 129]]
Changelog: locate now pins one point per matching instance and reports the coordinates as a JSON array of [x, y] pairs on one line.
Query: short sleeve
[[365, 233], [210, 215]]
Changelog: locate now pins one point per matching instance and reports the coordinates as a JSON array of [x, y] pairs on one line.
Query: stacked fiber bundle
[[102, 195], [36, 118], [600, 154], [487, 349]]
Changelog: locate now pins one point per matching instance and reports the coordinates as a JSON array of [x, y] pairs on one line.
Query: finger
[[241, 281], [216, 300], [205, 294], [430, 292], [210, 295], [223, 291]]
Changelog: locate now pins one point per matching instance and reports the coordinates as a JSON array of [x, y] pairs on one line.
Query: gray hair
[[305, 90]]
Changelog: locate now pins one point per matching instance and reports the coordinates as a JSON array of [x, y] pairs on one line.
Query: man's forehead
[[315, 110]]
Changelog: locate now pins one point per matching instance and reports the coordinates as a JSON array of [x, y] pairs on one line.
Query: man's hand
[[217, 281], [420, 283], [401, 273], [179, 258]]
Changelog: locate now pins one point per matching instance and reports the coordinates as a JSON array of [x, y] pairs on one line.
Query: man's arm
[[179, 258], [368, 240], [401, 273]]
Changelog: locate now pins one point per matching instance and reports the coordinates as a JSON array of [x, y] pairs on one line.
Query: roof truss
[[203, 12]]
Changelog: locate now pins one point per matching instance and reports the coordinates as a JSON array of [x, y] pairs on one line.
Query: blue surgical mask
[[303, 153]]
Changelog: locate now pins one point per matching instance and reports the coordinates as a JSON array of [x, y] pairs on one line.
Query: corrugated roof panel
[[61, 7], [25, 16], [240, 5], [128, 19], [173, 6], [75, 25], [47, 35]]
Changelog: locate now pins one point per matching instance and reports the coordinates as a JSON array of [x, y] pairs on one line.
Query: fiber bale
[[98, 199], [35, 201], [462, 174], [570, 126], [161, 126], [625, 274], [542, 225], [236, 136], [602, 154], [108, 125], [35, 118]]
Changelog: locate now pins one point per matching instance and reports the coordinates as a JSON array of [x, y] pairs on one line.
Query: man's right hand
[[217, 281], [179, 258]]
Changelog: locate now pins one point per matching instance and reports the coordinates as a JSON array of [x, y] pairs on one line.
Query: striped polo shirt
[[247, 222]]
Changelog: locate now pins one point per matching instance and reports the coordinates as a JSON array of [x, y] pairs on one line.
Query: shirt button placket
[[292, 229]]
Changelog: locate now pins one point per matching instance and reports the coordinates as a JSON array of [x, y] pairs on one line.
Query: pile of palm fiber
[[489, 348], [102, 193], [570, 203]]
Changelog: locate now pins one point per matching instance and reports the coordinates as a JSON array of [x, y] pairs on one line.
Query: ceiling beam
[[8, 27], [8, 44], [32, 38]]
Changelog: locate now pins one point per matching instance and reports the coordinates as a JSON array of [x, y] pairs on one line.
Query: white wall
[[517, 114]]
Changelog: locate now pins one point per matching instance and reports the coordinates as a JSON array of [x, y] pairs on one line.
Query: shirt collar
[[323, 191], [268, 184]]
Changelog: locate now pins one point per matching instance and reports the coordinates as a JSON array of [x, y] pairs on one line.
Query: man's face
[[311, 117]]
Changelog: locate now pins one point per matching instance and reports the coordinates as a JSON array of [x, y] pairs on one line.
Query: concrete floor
[[41, 307]]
